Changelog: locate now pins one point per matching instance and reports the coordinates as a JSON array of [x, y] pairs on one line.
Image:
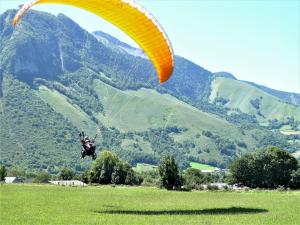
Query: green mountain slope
[[145, 108], [251, 100], [139, 112], [62, 105], [292, 98], [33, 135], [187, 75]]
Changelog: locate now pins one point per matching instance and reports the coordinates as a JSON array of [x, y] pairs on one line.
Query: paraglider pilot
[[88, 146]]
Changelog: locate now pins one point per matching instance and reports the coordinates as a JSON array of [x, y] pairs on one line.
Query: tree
[[150, 178], [42, 177], [193, 177], [132, 178], [103, 168], [3, 173], [17, 172], [267, 168], [295, 179], [124, 174], [169, 173], [66, 174], [84, 177], [108, 168], [240, 171], [120, 173]]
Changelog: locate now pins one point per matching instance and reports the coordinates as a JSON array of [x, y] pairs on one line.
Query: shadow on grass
[[213, 211]]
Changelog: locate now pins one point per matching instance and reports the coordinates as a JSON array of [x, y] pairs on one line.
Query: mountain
[[292, 98], [113, 42], [224, 74], [102, 35], [57, 79], [252, 100]]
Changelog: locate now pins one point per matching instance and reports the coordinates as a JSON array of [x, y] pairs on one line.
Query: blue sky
[[257, 41]]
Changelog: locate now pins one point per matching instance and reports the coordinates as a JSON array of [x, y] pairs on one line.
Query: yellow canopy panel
[[134, 20]]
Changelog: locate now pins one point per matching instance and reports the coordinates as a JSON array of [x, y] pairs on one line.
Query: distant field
[[45, 204], [289, 132], [201, 166], [144, 167]]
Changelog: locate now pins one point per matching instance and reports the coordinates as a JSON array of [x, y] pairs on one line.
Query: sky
[[257, 41]]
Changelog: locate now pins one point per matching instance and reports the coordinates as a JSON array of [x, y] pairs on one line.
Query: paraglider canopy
[[134, 20]]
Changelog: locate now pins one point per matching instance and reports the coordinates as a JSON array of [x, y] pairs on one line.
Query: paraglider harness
[[88, 146]]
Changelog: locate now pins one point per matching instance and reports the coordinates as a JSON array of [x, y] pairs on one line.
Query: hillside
[[251, 100], [57, 79], [285, 105], [144, 110], [292, 98]]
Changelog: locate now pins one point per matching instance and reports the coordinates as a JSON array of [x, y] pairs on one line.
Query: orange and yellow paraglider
[[134, 20]]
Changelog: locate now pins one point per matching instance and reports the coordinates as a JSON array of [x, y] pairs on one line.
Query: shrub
[[42, 177], [193, 177], [150, 178], [66, 174], [212, 187], [280, 188]]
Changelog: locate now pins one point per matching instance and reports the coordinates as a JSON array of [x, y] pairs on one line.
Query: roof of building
[[10, 179]]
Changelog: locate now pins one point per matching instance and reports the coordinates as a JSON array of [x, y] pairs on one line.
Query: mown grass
[[45, 204]]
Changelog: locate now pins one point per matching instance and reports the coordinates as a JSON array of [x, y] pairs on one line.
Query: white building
[[10, 180], [220, 185], [68, 182], [217, 170], [210, 171]]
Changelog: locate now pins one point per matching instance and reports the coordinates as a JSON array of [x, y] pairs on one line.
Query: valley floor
[[46, 204]]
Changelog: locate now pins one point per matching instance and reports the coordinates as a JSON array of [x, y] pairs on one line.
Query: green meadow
[[46, 204], [144, 167], [201, 166]]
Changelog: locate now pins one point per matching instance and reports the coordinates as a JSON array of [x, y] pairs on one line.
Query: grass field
[[290, 132], [45, 204], [201, 166], [144, 167]]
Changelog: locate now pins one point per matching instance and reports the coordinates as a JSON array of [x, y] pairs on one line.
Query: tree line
[[267, 168]]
